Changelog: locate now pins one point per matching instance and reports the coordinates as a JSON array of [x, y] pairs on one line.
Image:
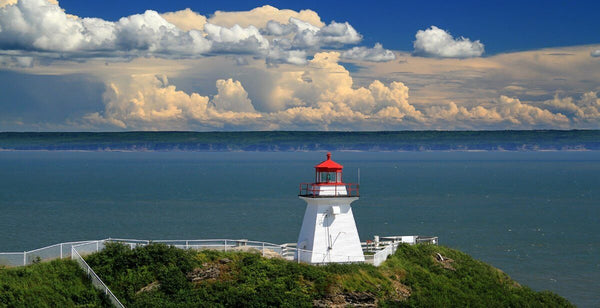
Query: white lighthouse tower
[[328, 232]]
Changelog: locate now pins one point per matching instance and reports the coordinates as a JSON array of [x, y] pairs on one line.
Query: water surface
[[535, 215]]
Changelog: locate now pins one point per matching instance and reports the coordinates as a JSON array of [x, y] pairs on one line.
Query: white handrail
[[90, 272]]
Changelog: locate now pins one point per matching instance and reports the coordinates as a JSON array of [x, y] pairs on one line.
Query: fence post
[[186, 244], [24, 257], [96, 246], [263, 249], [225, 245], [61, 247]]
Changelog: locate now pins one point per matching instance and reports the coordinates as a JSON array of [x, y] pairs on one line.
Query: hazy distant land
[[530, 140]]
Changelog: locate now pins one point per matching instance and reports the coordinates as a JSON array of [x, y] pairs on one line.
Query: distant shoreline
[[302, 141]]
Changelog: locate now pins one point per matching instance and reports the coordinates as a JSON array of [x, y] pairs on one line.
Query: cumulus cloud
[[595, 53], [584, 110], [38, 28], [277, 55], [36, 25], [260, 16], [435, 42], [150, 102], [232, 97], [321, 95], [507, 111], [185, 20], [375, 54], [236, 39], [306, 35]]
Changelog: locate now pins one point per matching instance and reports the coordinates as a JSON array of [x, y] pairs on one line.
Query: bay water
[[534, 215]]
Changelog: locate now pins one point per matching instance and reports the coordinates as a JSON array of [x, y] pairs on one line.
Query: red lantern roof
[[328, 165]]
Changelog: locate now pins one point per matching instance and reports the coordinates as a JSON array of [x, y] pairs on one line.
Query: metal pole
[[225, 245], [96, 246], [61, 247], [186, 244], [24, 257]]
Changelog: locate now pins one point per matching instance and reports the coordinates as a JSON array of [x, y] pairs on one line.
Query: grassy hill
[[60, 283], [416, 276]]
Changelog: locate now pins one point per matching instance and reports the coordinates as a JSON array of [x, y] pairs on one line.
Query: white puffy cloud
[[584, 110], [321, 95], [595, 53], [435, 42], [375, 54], [306, 35], [334, 34], [236, 38], [505, 111], [8, 2], [277, 55], [150, 102], [260, 16], [185, 20], [232, 97], [42, 29], [42, 26]]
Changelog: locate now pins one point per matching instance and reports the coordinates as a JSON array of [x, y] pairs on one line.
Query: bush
[[249, 280], [59, 283]]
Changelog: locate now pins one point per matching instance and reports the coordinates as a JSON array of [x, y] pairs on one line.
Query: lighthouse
[[328, 232]]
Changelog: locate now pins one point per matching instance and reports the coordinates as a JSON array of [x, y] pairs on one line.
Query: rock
[[352, 299], [444, 262], [152, 286], [207, 271]]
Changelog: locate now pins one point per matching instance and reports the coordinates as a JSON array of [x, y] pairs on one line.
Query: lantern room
[[328, 182], [328, 172]]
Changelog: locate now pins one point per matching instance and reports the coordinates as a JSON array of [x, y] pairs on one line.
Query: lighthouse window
[[330, 177]]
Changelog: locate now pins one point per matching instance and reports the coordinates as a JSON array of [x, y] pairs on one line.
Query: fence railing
[[96, 281], [289, 251], [56, 251], [328, 190]]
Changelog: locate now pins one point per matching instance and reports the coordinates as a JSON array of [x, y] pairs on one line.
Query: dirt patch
[[150, 287], [268, 253], [402, 291], [209, 271]]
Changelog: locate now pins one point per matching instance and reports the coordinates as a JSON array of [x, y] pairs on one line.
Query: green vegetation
[[59, 283], [305, 141], [162, 276]]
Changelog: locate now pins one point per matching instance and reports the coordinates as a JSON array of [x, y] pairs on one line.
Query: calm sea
[[535, 215]]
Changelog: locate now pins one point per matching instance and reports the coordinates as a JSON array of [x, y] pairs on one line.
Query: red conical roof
[[329, 164]]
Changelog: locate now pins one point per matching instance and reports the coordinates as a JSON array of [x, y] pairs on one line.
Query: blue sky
[[290, 65]]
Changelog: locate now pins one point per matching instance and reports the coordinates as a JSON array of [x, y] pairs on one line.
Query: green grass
[[410, 278], [59, 283], [471, 283]]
